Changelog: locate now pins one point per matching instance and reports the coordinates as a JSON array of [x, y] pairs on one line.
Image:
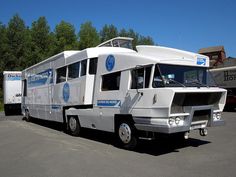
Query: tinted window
[[111, 81], [93, 65], [83, 67], [138, 76], [179, 76], [73, 71], [61, 74]]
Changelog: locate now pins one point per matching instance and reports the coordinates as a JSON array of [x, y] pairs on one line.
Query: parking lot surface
[[42, 149]]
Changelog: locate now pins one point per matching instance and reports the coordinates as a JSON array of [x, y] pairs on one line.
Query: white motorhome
[[131, 93], [12, 92], [226, 78]]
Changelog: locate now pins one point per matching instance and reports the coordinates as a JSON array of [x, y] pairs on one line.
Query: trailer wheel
[[127, 135], [74, 125], [27, 116]]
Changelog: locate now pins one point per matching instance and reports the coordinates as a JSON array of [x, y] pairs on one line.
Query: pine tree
[[88, 36]]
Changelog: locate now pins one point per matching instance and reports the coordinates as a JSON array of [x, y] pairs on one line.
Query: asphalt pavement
[[42, 149]]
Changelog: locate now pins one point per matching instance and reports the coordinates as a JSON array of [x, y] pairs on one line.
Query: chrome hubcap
[[125, 133], [72, 123]]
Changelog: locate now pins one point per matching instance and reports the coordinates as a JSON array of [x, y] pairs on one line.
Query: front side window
[[140, 78], [178, 76], [111, 81], [73, 71], [61, 75]]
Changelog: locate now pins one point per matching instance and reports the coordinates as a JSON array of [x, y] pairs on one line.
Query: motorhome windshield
[[179, 76]]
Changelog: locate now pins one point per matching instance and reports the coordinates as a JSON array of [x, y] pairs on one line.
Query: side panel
[[12, 87]]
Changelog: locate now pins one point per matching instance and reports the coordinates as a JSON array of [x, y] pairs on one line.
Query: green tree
[[108, 32], [41, 42], [145, 40], [65, 36], [88, 36], [138, 39], [17, 39], [3, 46]]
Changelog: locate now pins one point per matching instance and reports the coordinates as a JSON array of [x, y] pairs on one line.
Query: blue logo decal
[[41, 78], [13, 77], [201, 61], [66, 92], [110, 62]]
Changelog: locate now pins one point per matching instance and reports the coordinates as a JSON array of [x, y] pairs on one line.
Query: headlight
[[171, 121], [217, 116], [177, 120]]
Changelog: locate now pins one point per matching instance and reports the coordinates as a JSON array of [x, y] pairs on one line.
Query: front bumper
[[175, 129]]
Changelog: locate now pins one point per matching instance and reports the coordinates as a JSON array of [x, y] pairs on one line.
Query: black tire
[[27, 117], [127, 135], [74, 126]]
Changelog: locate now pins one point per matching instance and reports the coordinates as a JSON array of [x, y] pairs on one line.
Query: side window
[[111, 81], [73, 71], [93, 65], [137, 78], [83, 67], [140, 78], [61, 74]]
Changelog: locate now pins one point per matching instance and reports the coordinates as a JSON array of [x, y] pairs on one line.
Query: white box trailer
[[131, 93], [226, 78], [12, 92]]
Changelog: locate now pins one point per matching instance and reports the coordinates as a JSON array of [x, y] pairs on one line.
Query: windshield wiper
[[176, 82], [199, 83]]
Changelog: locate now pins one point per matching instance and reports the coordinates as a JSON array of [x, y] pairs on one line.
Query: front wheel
[[74, 126], [127, 135]]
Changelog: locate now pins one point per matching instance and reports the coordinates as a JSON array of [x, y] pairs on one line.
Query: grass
[[1, 106]]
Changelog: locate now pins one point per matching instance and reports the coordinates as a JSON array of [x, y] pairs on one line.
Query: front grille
[[194, 99], [201, 115]]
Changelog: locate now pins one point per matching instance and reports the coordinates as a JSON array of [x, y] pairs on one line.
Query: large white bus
[[12, 92], [135, 94]]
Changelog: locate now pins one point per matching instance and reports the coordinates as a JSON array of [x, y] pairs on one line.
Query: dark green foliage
[[65, 37], [17, 39], [88, 36], [108, 32], [41, 43], [138, 39]]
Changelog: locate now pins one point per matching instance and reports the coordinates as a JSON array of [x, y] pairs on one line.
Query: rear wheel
[[127, 135], [74, 126]]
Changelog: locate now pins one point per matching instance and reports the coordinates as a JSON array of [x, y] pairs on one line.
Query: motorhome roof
[[66, 54], [171, 55]]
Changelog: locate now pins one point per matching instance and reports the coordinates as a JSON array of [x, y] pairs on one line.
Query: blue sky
[[183, 24]]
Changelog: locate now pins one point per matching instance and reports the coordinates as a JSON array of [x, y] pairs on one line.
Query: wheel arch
[[122, 117]]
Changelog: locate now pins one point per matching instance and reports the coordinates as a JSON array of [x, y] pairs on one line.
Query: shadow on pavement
[[160, 146]]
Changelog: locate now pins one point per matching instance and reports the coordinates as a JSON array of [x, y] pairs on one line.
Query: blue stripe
[[109, 103]]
